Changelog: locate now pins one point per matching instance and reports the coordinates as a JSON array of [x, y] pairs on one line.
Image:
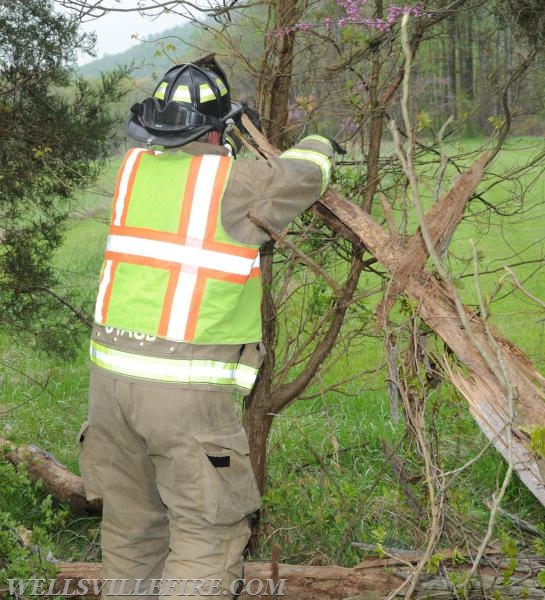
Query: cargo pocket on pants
[[86, 464], [230, 488]]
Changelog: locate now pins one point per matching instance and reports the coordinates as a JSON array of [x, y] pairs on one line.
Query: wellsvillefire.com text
[[140, 587]]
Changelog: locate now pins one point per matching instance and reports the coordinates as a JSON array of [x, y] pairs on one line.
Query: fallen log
[[372, 579], [61, 483]]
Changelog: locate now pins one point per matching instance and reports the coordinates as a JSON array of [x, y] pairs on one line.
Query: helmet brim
[[139, 133], [135, 130]]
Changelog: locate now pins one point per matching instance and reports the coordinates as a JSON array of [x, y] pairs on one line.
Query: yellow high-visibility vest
[[170, 268]]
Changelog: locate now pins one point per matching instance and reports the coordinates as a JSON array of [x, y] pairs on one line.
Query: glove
[[337, 148]]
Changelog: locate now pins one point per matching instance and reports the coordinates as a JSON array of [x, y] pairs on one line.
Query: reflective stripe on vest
[[194, 371], [189, 253]]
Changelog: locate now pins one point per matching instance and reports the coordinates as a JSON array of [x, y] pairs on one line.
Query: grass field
[[330, 484]]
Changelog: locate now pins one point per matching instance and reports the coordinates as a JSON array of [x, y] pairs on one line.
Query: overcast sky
[[114, 30]]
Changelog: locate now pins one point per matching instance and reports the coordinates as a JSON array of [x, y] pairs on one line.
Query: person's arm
[[276, 190]]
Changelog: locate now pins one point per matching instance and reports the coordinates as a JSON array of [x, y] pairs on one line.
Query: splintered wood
[[474, 345]]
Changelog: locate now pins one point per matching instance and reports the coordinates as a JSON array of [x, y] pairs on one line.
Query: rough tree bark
[[257, 417], [276, 69]]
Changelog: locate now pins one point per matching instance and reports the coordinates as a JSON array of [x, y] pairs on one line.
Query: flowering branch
[[352, 10]]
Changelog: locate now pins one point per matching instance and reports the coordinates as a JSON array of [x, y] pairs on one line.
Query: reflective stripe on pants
[[173, 370]]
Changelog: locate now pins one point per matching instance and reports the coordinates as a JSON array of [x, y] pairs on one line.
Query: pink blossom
[[352, 14], [352, 10]]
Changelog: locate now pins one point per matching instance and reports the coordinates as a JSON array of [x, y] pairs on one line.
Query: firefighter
[[178, 331]]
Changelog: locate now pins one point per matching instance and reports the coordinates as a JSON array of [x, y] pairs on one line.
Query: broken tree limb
[[440, 223], [480, 385], [62, 484]]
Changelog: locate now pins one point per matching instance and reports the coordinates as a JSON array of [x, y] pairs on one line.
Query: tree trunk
[[466, 57], [376, 110], [375, 136], [258, 423], [257, 420], [274, 81], [450, 65]]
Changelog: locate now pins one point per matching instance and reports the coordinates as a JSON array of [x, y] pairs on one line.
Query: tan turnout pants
[[172, 467]]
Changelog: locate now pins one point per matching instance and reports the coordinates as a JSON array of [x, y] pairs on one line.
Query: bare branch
[[286, 393], [313, 266]]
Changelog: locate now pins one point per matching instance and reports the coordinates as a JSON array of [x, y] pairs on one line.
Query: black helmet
[[189, 101]]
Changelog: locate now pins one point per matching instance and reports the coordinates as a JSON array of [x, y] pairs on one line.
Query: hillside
[[153, 55]]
